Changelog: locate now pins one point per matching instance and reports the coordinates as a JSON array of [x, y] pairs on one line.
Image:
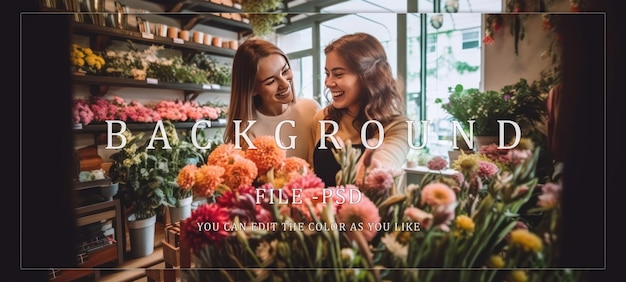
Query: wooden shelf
[[113, 253], [102, 128], [136, 36], [99, 81]]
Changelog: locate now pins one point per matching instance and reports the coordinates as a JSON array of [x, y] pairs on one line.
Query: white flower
[[394, 247]]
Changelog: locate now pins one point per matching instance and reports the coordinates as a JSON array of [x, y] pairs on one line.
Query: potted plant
[[140, 174], [520, 102], [182, 153]]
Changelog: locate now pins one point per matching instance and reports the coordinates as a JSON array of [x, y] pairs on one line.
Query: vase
[[109, 191], [141, 232], [182, 210], [192, 160], [483, 141]]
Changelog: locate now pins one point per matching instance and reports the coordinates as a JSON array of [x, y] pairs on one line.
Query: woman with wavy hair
[[262, 96], [362, 89]]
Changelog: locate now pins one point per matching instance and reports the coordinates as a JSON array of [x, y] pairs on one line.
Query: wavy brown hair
[[245, 66], [381, 97]]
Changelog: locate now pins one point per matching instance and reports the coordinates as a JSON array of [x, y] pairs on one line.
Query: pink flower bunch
[[137, 112], [437, 163], [492, 152], [550, 196], [487, 169], [170, 110], [81, 112], [104, 109], [187, 110], [117, 108]]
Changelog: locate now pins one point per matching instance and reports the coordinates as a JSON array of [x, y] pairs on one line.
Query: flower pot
[[141, 233], [109, 191], [453, 155], [181, 211], [484, 140]]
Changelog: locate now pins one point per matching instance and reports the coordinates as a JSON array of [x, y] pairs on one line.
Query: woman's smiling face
[[343, 83], [273, 83]]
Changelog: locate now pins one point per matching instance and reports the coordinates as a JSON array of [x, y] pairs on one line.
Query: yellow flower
[[526, 240], [468, 165], [465, 223], [518, 276], [525, 144], [495, 261]]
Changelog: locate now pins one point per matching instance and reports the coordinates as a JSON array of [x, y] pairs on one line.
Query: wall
[[500, 65]]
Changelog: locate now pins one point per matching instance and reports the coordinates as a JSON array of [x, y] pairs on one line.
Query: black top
[[326, 167]]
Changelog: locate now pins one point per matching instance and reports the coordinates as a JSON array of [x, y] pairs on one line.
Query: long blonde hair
[[243, 102]]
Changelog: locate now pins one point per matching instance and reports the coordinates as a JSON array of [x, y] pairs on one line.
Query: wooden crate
[[171, 255]]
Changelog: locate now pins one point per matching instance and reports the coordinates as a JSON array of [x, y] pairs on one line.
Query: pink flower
[[436, 194], [380, 179], [417, 215], [486, 169], [443, 216], [81, 112], [458, 178], [551, 194], [318, 199], [518, 156], [304, 182], [437, 163], [364, 212]]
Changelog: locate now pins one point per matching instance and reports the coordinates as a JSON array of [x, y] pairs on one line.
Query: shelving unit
[[93, 259]]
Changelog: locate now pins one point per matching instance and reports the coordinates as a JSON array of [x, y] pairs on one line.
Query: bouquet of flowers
[[272, 219]]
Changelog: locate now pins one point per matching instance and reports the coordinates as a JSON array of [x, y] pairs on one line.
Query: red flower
[[488, 39], [497, 25], [211, 218], [546, 24]]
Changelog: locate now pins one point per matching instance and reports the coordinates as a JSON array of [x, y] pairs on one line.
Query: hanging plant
[[263, 15]]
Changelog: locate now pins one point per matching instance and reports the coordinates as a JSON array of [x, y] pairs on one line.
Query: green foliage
[[519, 102], [213, 71], [263, 15]]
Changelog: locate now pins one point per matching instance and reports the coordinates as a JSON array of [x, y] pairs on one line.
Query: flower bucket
[[141, 235], [182, 211], [109, 191], [192, 160]]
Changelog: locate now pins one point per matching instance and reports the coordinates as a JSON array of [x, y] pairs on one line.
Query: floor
[[134, 269]]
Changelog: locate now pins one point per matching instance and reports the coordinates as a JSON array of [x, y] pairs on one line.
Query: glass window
[[302, 69], [456, 60], [467, 6], [380, 25], [471, 39], [296, 41], [452, 54]]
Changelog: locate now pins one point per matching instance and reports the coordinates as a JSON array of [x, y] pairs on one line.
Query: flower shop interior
[[458, 211]]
